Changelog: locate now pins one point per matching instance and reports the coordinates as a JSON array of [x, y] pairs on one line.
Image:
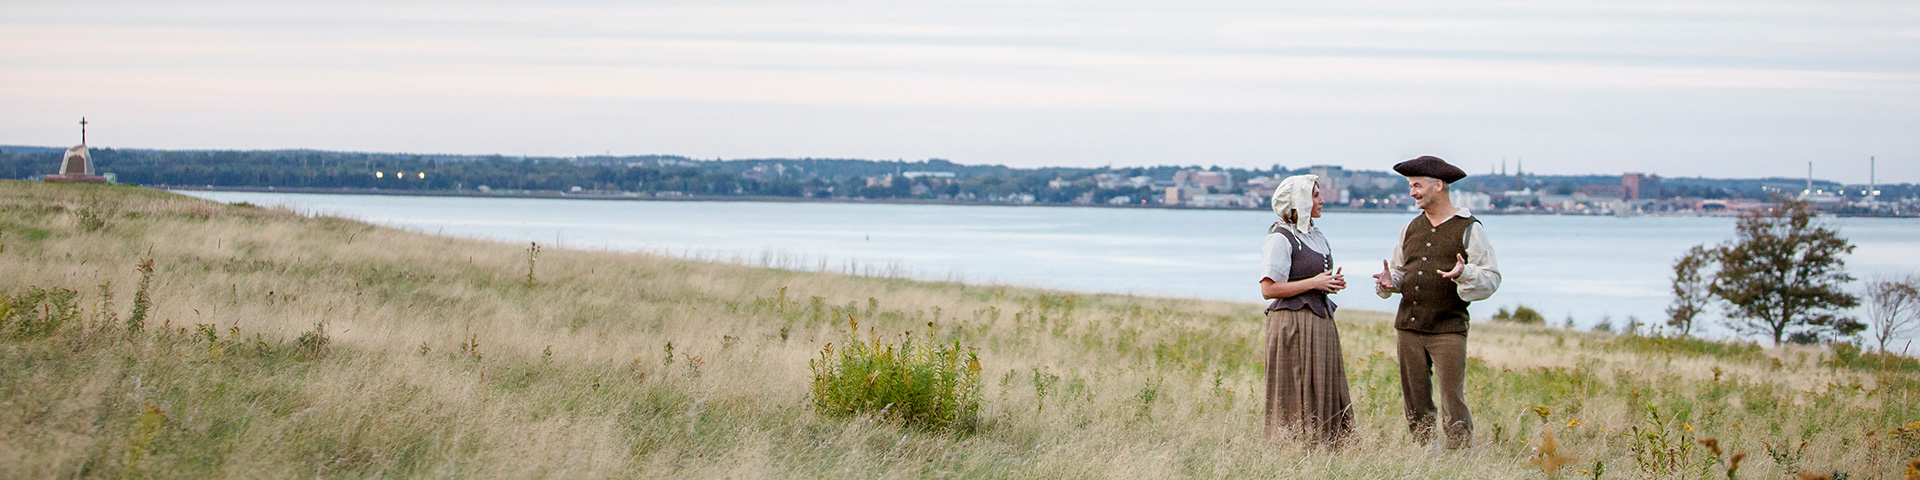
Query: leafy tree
[[1784, 271], [1893, 308], [1690, 289]]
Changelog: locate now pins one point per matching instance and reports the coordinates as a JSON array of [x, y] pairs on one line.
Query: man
[[1432, 322]]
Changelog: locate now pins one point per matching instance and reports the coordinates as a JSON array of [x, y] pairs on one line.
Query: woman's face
[[1316, 201]]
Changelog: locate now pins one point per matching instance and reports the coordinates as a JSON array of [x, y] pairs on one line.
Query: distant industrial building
[[1638, 186]]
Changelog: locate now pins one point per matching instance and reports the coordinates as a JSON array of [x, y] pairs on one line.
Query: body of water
[[1583, 268]]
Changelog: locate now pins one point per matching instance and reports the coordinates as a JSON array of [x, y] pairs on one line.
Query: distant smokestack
[[1873, 185]]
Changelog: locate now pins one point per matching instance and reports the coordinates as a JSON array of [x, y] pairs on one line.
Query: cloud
[[1555, 70]]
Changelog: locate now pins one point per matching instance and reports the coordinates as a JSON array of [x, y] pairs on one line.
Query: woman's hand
[[1330, 282]]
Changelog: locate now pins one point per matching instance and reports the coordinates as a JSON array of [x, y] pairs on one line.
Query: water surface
[[1583, 268]]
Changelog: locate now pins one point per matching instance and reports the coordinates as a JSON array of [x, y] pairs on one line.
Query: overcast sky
[[1674, 87]]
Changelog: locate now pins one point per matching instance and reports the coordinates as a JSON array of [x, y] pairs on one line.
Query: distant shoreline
[[551, 194], [686, 198]]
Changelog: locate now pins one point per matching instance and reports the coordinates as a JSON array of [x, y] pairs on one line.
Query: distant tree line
[[777, 177]]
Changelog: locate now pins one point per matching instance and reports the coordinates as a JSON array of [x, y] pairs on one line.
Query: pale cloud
[[1686, 87]]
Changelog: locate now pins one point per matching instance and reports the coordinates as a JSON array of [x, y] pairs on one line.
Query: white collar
[[1296, 231]]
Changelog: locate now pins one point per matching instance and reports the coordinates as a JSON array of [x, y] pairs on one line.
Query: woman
[[1306, 382]]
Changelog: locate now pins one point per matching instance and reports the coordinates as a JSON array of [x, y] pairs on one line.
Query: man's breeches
[[1422, 357]]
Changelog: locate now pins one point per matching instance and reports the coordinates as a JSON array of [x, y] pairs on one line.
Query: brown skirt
[[1306, 381]]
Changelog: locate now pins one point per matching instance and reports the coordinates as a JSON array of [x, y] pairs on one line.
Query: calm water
[[1589, 269]]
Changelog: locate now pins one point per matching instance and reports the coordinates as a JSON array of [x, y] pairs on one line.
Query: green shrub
[[1848, 356], [1522, 315], [316, 343], [1529, 316], [1732, 351], [920, 384], [37, 312], [142, 300]]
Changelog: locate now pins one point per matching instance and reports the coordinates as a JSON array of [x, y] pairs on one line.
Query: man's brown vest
[[1429, 303]]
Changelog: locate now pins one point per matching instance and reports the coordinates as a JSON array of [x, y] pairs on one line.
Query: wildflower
[[1547, 456], [1573, 422], [1688, 425], [1712, 444]]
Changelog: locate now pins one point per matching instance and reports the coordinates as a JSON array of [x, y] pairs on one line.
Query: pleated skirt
[[1307, 396]]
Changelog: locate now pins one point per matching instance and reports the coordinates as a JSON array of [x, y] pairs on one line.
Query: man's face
[[1424, 190]]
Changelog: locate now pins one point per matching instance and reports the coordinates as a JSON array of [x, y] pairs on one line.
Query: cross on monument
[[83, 130]]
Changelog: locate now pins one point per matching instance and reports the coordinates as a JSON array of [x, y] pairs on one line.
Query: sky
[[1678, 88]]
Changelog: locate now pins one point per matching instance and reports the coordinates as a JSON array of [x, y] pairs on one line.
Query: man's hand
[[1384, 279], [1459, 265]]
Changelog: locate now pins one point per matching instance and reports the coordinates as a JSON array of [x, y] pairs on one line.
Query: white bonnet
[[1296, 193]]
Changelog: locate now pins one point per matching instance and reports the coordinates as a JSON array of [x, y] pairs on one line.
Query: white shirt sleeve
[[1276, 258], [1396, 265], [1480, 277]]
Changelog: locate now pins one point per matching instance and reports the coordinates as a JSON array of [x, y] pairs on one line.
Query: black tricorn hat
[[1430, 166]]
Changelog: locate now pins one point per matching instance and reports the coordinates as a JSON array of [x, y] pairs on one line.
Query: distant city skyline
[[1676, 88]]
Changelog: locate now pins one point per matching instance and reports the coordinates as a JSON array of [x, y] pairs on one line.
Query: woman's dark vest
[[1429, 303], [1306, 264]]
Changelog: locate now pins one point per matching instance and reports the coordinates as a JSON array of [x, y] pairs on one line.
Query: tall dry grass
[[444, 360]]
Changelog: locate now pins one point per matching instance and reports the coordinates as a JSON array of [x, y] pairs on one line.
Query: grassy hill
[[267, 344]]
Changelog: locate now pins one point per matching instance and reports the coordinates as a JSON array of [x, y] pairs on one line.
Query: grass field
[[269, 344]]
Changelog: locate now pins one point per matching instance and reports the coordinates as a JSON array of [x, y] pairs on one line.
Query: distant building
[[1184, 177], [1219, 181], [1637, 186], [1605, 191], [1263, 186], [1183, 195], [764, 171], [76, 165], [1217, 200], [1216, 180], [1333, 182], [1114, 180], [1472, 201]]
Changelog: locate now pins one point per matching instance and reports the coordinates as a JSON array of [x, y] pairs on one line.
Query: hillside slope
[[278, 345]]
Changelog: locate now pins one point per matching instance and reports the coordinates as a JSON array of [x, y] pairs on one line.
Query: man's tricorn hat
[[1430, 166]]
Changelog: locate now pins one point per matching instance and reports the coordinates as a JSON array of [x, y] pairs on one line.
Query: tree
[[1690, 288], [1893, 308], [1783, 271]]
